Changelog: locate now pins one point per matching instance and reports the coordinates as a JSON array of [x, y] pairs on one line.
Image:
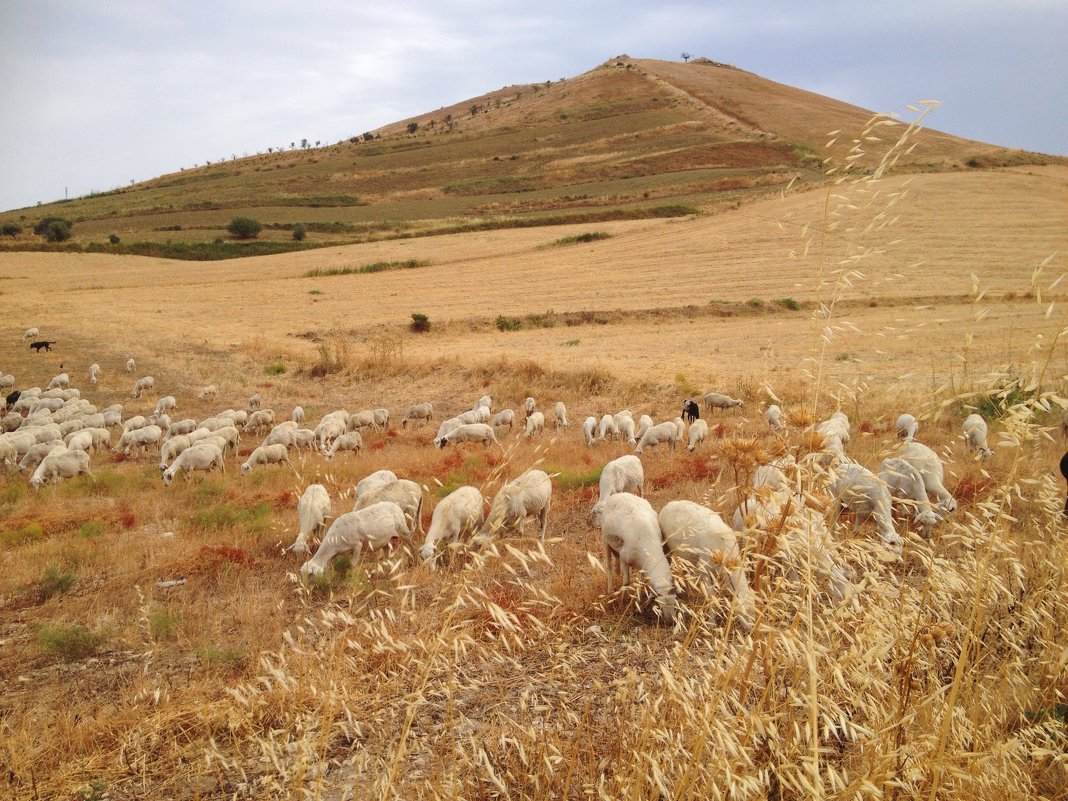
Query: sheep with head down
[[975, 433], [60, 463], [204, 456], [456, 516], [528, 495], [371, 529], [312, 510]]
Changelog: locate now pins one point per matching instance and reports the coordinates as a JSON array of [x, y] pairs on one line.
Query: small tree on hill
[[244, 227], [413, 127], [299, 232], [686, 56], [12, 229]]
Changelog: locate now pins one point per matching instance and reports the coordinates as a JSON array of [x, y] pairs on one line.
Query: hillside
[[629, 139]]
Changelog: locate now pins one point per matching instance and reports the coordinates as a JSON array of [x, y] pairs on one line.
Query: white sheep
[[906, 426], [112, 417], [283, 436], [421, 412], [381, 417], [716, 400], [625, 425], [210, 391], [630, 536], [700, 536], [361, 419], [261, 418], [698, 433], [607, 427], [862, 492], [297, 415], [474, 432], [328, 429], [529, 405], [485, 401], [406, 494], [254, 401], [202, 456], [457, 515], [229, 435], [131, 365], [143, 383], [236, 417], [975, 432], [139, 439], [527, 495], [624, 474], [31, 333], [655, 435], [9, 455], [170, 449], [303, 438], [535, 424], [835, 427], [373, 529], [505, 417], [352, 441], [33, 455], [561, 415], [166, 404], [80, 441], [60, 463], [179, 427], [931, 470], [906, 484], [272, 454], [312, 510], [773, 417], [379, 478], [61, 381], [7, 381], [589, 429], [479, 415], [645, 422]]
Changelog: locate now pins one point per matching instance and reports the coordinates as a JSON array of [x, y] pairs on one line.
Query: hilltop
[[631, 138]]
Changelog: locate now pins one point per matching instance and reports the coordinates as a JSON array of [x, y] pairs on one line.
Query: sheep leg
[[544, 516]]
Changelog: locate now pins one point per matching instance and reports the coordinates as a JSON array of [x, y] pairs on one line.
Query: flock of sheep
[[50, 434]]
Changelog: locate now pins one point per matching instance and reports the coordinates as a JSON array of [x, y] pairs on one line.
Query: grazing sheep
[[655, 435], [352, 441], [381, 417], [630, 535], [79, 441], [589, 429], [272, 454], [862, 492], [715, 400], [835, 427], [138, 439], [527, 495], [170, 449], [329, 428], [130, 365], [975, 431], [626, 429], [698, 432], [773, 417], [297, 416], [94, 373], [60, 463], [61, 381], [372, 528], [535, 424], [528, 406], [485, 401], [229, 435], [561, 415], [32, 456], [931, 470], [202, 456], [30, 333], [907, 426], [421, 412], [312, 510], [180, 427], [6, 382], [607, 427], [906, 484], [645, 422], [472, 432], [457, 515], [700, 536], [143, 383], [283, 436], [262, 418], [166, 404], [446, 427], [505, 417], [303, 438], [379, 478], [254, 401], [9, 455], [624, 474], [406, 494], [362, 419], [210, 391], [690, 410]]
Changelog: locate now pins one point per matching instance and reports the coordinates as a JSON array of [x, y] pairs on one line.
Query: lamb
[[931, 470], [589, 429], [297, 415], [527, 495], [406, 494], [372, 528], [131, 365], [528, 406], [698, 432], [773, 417], [975, 431], [421, 412], [312, 510], [138, 438], [906, 426], [700, 536], [61, 381], [352, 441], [170, 449], [30, 333], [715, 400], [630, 536], [254, 401], [272, 454], [561, 415], [262, 418], [690, 410], [202, 456], [210, 391], [457, 515], [166, 404], [607, 427], [655, 435], [58, 464], [474, 432], [143, 383], [905, 483], [505, 417], [624, 474], [858, 489], [379, 478], [94, 373], [535, 424]]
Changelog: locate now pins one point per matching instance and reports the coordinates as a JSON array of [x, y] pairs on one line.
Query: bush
[[41, 227], [299, 232], [420, 323], [789, 303], [244, 227], [114, 239], [11, 229], [507, 323], [275, 368], [70, 642], [57, 231], [54, 581]]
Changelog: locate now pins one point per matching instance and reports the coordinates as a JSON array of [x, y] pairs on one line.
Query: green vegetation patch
[[69, 641], [375, 267], [590, 236]]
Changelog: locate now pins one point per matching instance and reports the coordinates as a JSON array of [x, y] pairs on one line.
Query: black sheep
[[11, 399], [690, 411], [1064, 472]]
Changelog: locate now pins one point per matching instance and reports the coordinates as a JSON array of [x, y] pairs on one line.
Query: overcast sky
[[96, 93]]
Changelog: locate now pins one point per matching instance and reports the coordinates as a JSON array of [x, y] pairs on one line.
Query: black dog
[[44, 343], [1064, 472], [690, 411], [11, 399]]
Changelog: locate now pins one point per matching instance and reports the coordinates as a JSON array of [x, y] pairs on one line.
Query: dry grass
[[512, 673]]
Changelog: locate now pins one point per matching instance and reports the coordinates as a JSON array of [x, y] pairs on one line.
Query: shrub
[[58, 231], [299, 232], [90, 530], [162, 624], [11, 229], [54, 581], [114, 239], [420, 323], [590, 236], [275, 368], [507, 323], [244, 227], [71, 642], [789, 303], [31, 532], [41, 227]]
